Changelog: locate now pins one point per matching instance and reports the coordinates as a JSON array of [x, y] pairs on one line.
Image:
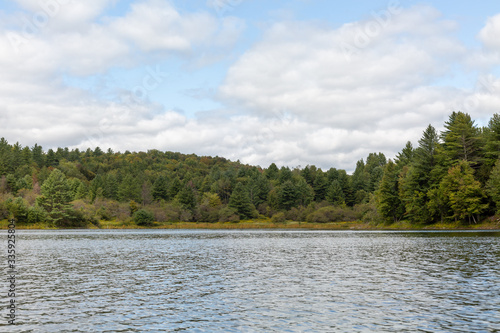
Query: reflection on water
[[257, 281]]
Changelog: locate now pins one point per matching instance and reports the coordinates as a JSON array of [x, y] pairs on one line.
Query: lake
[[255, 281]]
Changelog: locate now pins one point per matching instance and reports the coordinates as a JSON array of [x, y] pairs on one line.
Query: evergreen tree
[[272, 172], [305, 192], [307, 174], [288, 195], [160, 188], [260, 190], [51, 158], [285, 174], [411, 194], [81, 191], [26, 157], [373, 171], [174, 187], [425, 158], [405, 157], [359, 179], [461, 139], [389, 204], [111, 186], [241, 202], [492, 142], [38, 156], [320, 186], [493, 186], [55, 198], [129, 189], [5, 157], [335, 194], [187, 197]]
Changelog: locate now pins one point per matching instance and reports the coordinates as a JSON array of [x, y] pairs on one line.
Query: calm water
[[256, 281]]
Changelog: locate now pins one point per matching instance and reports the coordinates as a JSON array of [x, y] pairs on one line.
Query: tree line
[[451, 176]]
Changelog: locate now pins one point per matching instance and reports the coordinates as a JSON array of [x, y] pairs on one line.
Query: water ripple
[[257, 281]]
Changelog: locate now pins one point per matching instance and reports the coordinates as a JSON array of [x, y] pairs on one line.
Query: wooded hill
[[451, 176]]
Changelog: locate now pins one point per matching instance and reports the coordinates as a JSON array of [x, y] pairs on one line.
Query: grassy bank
[[490, 224]]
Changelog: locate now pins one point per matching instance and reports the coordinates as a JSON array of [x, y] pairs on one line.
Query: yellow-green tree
[[463, 193]]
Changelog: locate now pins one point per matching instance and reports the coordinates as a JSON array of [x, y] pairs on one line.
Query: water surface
[[256, 281]]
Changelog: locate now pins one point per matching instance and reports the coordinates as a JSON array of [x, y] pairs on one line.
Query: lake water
[[255, 281]]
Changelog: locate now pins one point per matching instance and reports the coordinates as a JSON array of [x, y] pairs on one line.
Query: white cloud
[[156, 25], [490, 34], [304, 94], [374, 96]]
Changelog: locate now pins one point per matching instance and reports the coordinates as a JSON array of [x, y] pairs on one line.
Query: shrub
[[331, 214], [228, 214], [36, 214], [278, 217], [144, 217], [76, 219], [19, 209], [104, 214]]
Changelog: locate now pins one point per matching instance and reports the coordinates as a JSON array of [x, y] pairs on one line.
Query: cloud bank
[[303, 93]]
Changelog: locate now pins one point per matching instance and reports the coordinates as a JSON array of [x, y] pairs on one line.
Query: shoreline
[[265, 224]]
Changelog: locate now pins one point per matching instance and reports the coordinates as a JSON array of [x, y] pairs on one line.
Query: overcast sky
[[295, 82]]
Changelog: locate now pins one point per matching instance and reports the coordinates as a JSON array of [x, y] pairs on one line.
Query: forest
[[449, 176]]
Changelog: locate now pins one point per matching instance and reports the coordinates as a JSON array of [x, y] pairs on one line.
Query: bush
[[278, 217], [228, 214], [36, 214], [19, 209], [331, 214], [104, 214], [77, 219], [143, 217]]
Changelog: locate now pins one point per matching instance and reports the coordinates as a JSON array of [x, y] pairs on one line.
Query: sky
[[297, 82]]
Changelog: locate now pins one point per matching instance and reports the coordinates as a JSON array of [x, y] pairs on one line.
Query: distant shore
[[266, 224]]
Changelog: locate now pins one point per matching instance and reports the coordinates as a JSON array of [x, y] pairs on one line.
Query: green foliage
[[240, 201], [463, 192], [278, 217], [55, 198], [331, 214], [461, 139], [421, 186], [287, 195], [493, 185], [160, 188], [228, 214], [186, 197], [389, 203], [144, 217]]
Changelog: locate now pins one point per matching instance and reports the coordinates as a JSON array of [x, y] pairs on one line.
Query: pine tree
[[320, 186], [260, 190], [240, 201], [272, 172], [38, 156], [55, 198], [285, 174], [389, 204], [493, 186], [305, 192], [461, 139], [288, 195], [335, 194], [405, 157], [425, 158], [186, 197], [160, 188]]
